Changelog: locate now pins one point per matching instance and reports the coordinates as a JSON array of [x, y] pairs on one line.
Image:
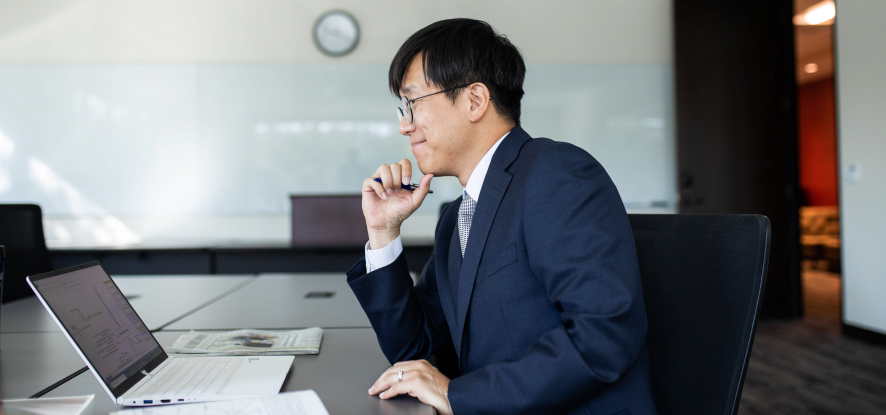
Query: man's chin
[[427, 166], [423, 165]]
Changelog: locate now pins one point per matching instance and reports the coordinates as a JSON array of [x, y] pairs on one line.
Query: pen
[[410, 187]]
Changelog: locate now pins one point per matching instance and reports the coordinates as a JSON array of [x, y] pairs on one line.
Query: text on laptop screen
[[101, 321]]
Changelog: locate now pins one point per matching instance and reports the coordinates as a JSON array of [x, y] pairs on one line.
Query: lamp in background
[[821, 13]]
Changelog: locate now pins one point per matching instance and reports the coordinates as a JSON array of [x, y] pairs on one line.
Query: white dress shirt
[[382, 257]]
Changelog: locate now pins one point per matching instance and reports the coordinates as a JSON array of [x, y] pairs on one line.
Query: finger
[[386, 380], [393, 372], [397, 367], [395, 176], [383, 381], [370, 185], [419, 385], [406, 170], [403, 365], [424, 186], [410, 387], [384, 172], [407, 366]]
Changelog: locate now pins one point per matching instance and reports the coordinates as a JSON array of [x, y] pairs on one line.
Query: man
[[534, 279]]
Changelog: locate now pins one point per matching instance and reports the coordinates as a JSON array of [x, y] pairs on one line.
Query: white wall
[[263, 31], [173, 122], [861, 109]]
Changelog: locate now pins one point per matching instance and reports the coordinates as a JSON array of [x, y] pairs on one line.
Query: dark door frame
[[737, 125]]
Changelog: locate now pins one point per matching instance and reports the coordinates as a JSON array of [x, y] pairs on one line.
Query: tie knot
[[467, 204]]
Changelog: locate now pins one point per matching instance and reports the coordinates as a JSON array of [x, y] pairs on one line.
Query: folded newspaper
[[250, 342]]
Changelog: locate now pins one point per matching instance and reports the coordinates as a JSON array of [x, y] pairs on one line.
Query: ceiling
[[813, 44]]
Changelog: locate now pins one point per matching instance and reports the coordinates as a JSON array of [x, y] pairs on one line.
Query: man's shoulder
[[520, 150], [547, 145], [542, 153]]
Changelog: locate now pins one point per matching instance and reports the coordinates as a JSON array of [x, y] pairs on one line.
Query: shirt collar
[[475, 182]]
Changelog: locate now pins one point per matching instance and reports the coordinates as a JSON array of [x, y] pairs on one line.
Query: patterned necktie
[[465, 216]]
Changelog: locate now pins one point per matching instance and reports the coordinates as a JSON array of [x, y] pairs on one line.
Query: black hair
[[462, 51]]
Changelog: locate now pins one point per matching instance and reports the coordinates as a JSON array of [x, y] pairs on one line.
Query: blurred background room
[[189, 137]]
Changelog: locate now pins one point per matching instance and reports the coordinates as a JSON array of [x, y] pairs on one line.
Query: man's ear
[[478, 94]]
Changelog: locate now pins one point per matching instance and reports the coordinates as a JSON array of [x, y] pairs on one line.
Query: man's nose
[[406, 127]]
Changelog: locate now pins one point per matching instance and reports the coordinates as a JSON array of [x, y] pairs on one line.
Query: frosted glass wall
[[134, 145]]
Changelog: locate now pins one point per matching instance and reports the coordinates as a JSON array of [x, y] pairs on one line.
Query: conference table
[[282, 301], [158, 300], [34, 354]]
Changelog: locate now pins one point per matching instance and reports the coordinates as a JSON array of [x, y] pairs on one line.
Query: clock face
[[336, 33]]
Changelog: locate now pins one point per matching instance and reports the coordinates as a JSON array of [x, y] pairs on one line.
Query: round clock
[[336, 33]]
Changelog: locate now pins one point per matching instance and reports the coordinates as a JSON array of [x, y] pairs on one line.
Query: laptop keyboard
[[195, 377]]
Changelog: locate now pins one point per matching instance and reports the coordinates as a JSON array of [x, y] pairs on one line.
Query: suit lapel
[[447, 272], [455, 264], [494, 186]]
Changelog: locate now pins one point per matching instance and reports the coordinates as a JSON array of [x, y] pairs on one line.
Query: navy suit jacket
[[545, 310]]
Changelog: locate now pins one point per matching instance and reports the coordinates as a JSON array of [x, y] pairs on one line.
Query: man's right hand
[[386, 206]]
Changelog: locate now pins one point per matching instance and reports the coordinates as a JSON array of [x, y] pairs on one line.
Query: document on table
[[250, 342], [288, 403]]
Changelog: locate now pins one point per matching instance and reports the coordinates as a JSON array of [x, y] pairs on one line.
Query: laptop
[[126, 358]]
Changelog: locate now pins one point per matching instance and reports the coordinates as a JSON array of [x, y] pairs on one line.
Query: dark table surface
[[278, 301], [349, 362], [30, 362], [158, 300], [35, 354]]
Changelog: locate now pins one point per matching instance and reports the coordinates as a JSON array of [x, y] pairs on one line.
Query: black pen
[[410, 187]]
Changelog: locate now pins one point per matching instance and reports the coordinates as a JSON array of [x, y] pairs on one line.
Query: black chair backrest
[[21, 232], [703, 279]]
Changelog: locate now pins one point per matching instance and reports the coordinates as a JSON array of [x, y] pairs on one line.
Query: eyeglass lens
[[405, 110]]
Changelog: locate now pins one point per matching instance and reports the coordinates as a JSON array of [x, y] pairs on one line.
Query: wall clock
[[336, 33]]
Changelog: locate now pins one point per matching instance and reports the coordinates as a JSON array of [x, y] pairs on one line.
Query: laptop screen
[[100, 320]]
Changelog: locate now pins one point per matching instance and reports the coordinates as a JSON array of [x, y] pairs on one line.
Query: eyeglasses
[[405, 108]]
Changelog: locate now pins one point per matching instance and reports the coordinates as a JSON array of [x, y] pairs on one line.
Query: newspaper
[[250, 342]]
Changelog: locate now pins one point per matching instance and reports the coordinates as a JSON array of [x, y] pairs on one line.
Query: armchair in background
[[21, 232]]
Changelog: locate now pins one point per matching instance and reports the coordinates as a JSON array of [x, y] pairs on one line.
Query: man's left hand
[[420, 379]]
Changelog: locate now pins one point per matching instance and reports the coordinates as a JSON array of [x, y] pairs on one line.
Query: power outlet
[[852, 173]]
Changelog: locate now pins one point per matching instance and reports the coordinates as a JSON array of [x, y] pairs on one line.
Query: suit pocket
[[494, 262]]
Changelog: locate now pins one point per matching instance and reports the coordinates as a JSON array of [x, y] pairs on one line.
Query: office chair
[[703, 278], [21, 232]]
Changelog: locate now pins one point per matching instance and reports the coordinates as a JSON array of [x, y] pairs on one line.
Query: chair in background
[[328, 221], [703, 278], [21, 232]]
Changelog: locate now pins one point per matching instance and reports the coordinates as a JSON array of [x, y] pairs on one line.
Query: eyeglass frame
[[407, 103]]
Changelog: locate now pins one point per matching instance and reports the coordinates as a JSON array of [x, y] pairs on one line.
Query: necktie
[[465, 216]]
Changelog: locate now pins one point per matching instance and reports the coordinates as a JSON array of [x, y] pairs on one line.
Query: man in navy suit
[[534, 278]]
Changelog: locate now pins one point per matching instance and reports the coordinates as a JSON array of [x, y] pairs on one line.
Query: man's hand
[[386, 206], [420, 379]]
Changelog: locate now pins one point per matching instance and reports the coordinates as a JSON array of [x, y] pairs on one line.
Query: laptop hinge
[[144, 381]]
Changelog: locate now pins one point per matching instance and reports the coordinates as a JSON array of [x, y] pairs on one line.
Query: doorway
[[817, 157]]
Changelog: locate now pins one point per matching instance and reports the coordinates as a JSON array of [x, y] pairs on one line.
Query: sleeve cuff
[[382, 257]]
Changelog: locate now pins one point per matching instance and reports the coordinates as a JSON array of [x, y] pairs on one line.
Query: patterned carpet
[[808, 367]]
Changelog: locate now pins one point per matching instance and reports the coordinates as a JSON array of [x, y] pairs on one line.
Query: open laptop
[[126, 358]]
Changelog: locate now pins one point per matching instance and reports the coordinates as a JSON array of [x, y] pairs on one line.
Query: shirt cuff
[[382, 257]]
